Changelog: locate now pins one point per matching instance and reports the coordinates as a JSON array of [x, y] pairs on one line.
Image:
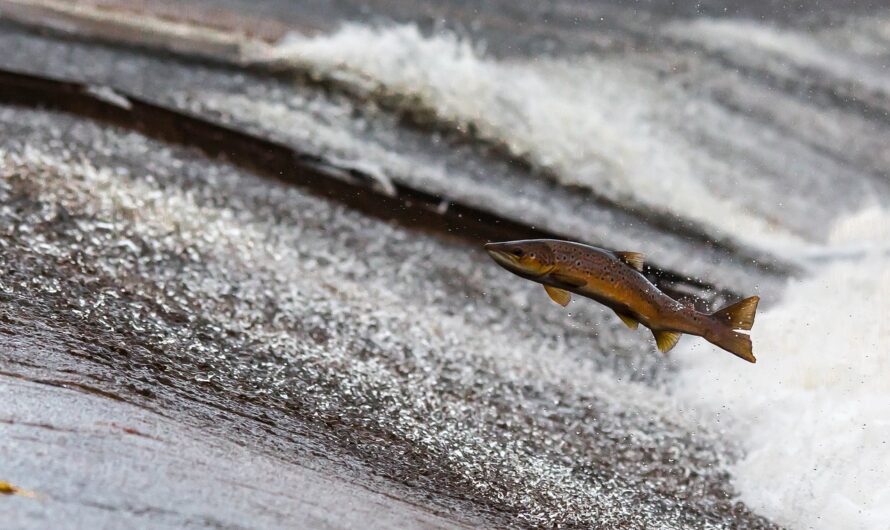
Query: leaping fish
[[614, 279]]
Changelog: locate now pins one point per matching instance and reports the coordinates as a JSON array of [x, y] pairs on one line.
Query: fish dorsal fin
[[568, 280], [629, 321], [666, 340], [560, 296], [634, 259]]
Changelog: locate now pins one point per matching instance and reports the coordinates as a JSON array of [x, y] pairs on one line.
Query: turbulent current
[[812, 417], [772, 171], [748, 152]]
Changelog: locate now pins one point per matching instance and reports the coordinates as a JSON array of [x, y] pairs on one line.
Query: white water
[[598, 122], [812, 414]]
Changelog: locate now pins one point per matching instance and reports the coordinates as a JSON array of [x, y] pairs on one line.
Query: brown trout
[[614, 279]]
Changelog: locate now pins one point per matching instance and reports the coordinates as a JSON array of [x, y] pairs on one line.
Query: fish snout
[[494, 248], [499, 253], [530, 259]]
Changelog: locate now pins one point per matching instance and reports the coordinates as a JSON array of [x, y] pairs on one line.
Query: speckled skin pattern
[[598, 274]]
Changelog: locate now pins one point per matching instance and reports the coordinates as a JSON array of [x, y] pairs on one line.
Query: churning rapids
[[408, 357], [712, 147]]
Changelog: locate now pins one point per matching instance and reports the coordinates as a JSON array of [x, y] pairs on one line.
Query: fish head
[[532, 258]]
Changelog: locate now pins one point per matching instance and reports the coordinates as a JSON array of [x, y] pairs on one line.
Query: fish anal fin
[[634, 259], [568, 280], [666, 340], [628, 320], [739, 315], [560, 296]]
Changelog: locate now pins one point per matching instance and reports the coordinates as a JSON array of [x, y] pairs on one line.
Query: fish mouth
[[512, 263], [505, 259]]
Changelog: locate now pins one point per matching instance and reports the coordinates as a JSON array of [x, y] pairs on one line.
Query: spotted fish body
[[614, 279]]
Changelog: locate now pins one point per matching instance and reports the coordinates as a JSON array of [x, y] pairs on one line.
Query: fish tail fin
[[739, 315], [738, 344]]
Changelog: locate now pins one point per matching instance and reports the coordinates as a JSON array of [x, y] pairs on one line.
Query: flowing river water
[[743, 149]]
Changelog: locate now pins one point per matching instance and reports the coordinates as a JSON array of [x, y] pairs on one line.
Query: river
[[744, 150]]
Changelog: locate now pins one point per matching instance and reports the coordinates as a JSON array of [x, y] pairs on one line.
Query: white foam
[[870, 227], [812, 414], [596, 121]]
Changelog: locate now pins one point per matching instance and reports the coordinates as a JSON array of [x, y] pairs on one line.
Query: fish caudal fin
[[739, 315], [738, 344]]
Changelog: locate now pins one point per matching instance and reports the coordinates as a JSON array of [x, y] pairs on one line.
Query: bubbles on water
[[812, 415], [224, 287]]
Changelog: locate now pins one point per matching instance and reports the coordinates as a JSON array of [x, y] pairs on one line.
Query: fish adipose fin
[[628, 320], [634, 259], [560, 296], [739, 315], [666, 340]]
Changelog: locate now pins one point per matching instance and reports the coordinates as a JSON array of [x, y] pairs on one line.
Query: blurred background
[[242, 282]]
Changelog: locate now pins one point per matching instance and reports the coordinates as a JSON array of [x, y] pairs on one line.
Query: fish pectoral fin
[[666, 340], [565, 279], [628, 320], [560, 296], [633, 259]]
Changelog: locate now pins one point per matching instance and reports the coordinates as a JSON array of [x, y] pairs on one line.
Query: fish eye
[[518, 252]]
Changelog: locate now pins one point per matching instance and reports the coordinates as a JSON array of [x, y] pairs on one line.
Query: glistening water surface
[[726, 145]]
